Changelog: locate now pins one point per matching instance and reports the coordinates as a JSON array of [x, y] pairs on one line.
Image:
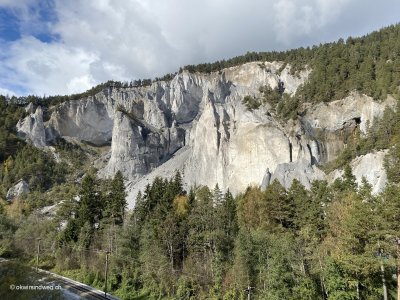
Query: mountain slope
[[327, 116], [230, 144], [239, 123]]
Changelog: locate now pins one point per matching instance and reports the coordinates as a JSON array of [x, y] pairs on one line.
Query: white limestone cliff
[[32, 128], [370, 166], [86, 120], [301, 170], [20, 188], [224, 142]]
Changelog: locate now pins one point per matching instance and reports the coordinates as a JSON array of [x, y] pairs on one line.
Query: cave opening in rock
[[144, 132], [357, 120]]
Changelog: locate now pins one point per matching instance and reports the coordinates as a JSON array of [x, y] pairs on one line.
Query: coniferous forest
[[335, 241], [332, 242]]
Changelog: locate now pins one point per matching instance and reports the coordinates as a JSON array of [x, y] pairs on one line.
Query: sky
[[57, 47]]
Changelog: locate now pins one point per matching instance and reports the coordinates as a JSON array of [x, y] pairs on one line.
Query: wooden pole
[[398, 268], [248, 290], [384, 286], [105, 289], [37, 254]]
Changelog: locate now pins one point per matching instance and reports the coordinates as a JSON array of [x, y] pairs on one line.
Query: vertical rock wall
[[225, 142]]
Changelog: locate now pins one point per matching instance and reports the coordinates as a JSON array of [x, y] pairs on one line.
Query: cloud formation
[[68, 46]]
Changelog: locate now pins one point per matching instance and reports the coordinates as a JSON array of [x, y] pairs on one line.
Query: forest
[[335, 241], [331, 242]]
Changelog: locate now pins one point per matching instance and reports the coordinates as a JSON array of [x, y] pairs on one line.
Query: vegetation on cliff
[[368, 64]]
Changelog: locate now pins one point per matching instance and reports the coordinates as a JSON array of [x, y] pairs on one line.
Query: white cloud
[[296, 19], [76, 84], [124, 35], [7, 92], [46, 68], [125, 39]]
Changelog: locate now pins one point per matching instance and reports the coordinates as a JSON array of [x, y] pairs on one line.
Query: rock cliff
[[203, 114], [32, 128], [20, 188], [369, 166]]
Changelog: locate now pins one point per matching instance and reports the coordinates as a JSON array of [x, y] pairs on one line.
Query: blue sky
[[52, 47], [35, 20], [9, 30]]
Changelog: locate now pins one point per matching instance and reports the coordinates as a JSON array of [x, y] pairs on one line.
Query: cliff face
[[222, 141], [32, 127], [137, 148], [86, 119]]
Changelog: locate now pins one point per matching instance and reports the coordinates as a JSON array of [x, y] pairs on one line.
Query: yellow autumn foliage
[[181, 205]]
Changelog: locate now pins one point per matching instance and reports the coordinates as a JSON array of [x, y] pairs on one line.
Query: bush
[[251, 102]]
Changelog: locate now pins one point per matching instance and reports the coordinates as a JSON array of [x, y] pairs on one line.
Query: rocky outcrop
[[17, 190], [301, 170], [165, 170], [228, 145], [32, 128], [224, 142], [50, 211], [227, 142], [370, 166], [86, 120], [138, 148], [353, 110], [30, 108], [328, 124]]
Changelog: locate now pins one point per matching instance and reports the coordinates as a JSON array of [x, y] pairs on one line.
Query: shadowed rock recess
[[198, 122]]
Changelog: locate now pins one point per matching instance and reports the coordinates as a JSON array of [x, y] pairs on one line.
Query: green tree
[[90, 204], [279, 207], [7, 229], [116, 200]]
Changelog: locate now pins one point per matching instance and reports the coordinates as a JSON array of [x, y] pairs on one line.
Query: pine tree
[[349, 180], [298, 195], [216, 195], [90, 206], [116, 203], [279, 207]]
